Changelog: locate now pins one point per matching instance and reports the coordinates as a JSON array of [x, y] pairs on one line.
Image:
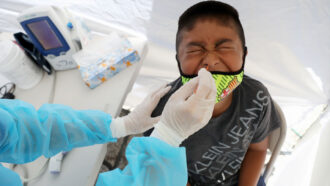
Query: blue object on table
[[8, 177], [150, 162]]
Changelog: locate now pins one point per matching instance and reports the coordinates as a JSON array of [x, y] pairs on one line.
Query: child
[[231, 148]]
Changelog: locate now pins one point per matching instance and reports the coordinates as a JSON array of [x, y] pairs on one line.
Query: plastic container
[[17, 67]]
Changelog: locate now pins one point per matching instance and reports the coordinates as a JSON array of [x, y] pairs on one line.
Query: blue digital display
[[45, 36]]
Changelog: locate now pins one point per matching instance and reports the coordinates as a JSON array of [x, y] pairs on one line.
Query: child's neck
[[222, 106]]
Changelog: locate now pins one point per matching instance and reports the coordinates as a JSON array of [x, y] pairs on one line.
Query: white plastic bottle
[[17, 67]]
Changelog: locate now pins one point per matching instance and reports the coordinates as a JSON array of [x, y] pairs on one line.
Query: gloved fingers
[[159, 93], [185, 91], [206, 84], [155, 120], [153, 92], [200, 100], [206, 91], [213, 93], [153, 100]]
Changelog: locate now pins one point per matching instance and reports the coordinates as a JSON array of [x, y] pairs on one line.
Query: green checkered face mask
[[225, 82]]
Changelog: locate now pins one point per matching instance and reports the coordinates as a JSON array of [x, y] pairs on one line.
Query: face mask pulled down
[[224, 81]]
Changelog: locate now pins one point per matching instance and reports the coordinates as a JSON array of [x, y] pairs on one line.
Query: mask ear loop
[[244, 56], [178, 62]]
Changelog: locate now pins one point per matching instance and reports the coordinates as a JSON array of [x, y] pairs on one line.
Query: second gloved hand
[[139, 120], [186, 112]]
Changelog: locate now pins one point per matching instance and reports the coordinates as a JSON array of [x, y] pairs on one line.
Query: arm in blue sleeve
[[27, 133], [150, 162], [9, 177]]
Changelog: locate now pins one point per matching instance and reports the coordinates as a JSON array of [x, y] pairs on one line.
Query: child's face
[[210, 45]]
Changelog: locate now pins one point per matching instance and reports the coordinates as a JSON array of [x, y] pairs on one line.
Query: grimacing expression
[[210, 45]]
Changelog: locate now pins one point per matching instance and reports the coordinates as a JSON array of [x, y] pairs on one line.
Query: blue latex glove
[[150, 162], [26, 134]]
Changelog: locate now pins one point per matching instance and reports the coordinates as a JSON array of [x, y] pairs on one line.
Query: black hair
[[223, 12]]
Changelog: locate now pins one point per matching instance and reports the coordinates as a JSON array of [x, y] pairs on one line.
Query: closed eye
[[194, 51], [224, 48]]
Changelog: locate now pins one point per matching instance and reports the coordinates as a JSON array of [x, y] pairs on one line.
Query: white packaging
[[17, 67]]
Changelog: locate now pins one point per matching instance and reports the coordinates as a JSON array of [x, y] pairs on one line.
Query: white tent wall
[[282, 37], [288, 46], [320, 173]]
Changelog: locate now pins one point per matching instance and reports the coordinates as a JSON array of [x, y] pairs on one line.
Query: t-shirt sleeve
[[269, 118]]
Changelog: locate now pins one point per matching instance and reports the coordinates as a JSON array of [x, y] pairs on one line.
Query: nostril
[[204, 65]]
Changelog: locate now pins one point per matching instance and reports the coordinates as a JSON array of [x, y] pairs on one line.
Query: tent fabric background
[[288, 45]]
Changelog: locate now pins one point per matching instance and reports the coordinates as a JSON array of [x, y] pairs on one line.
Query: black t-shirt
[[215, 153]]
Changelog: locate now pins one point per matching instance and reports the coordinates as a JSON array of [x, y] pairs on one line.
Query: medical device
[[55, 163], [54, 33], [26, 44]]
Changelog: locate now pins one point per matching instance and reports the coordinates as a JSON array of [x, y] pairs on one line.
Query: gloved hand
[[187, 112], [139, 120]]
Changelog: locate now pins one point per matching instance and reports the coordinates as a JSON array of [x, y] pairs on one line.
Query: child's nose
[[210, 60]]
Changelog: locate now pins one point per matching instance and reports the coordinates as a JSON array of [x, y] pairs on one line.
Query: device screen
[[45, 34]]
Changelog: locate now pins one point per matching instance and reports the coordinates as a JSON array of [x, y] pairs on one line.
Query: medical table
[[81, 165]]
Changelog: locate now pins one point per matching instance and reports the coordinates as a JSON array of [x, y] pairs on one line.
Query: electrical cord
[[53, 88], [7, 91], [41, 171]]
